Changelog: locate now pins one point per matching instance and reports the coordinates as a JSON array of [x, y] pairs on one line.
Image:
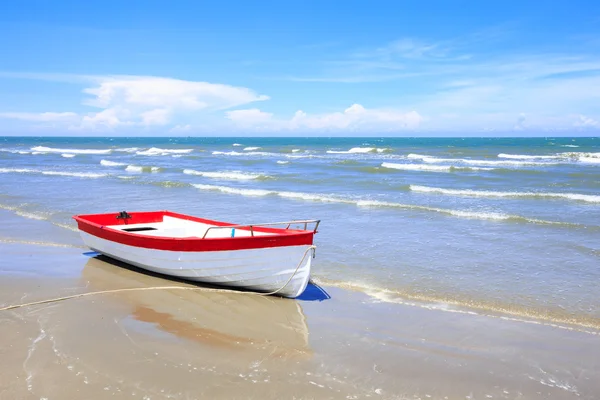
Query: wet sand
[[180, 344]]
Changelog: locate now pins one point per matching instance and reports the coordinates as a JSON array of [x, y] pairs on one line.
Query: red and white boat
[[258, 257]]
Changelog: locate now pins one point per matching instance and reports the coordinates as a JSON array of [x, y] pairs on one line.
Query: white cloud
[[148, 92], [354, 118], [159, 116], [155, 101], [249, 117], [106, 119], [585, 122], [40, 117]]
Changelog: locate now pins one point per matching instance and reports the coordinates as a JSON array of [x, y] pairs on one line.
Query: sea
[[505, 227]]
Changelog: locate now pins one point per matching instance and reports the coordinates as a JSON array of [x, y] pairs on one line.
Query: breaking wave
[[489, 193], [383, 204], [431, 168], [252, 148], [155, 151], [46, 172], [42, 149], [108, 163], [493, 163], [526, 157], [227, 175], [247, 153], [360, 150], [136, 168], [67, 155]]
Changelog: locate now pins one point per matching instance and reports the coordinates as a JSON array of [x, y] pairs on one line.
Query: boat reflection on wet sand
[[213, 318]]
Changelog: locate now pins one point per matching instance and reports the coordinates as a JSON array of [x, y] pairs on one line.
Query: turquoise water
[[500, 226]]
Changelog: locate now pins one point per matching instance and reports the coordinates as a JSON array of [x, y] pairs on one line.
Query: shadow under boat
[[219, 319]]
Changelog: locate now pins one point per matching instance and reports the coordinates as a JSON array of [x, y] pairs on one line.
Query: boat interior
[[174, 225], [183, 228]]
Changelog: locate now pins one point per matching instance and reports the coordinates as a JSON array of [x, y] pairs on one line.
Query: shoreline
[[195, 344]]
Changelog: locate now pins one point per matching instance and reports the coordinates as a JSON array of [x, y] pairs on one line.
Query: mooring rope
[[74, 296]]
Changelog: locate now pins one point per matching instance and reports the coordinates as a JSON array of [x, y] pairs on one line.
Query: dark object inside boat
[[139, 229]]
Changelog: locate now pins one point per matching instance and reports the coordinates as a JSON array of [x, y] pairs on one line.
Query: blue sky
[[351, 68]]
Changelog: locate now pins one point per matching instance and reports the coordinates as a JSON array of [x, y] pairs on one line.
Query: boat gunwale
[[280, 237]]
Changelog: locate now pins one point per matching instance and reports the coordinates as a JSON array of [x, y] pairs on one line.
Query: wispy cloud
[[355, 118], [137, 100], [40, 117]]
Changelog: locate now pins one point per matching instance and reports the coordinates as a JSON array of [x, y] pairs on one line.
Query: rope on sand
[[74, 296]]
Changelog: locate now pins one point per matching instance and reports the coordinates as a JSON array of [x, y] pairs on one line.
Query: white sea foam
[[431, 168], [375, 203], [251, 148], [66, 155], [489, 193], [237, 144], [14, 151], [45, 172], [579, 156], [526, 157], [42, 149], [227, 175], [247, 153], [128, 149], [359, 150], [493, 163], [282, 162], [296, 150], [136, 168], [155, 151], [108, 163], [589, 160], [230, 190]]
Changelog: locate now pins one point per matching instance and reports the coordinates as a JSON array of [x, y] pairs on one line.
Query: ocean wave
[[360, 150], [579, 156], [488, 193], [526, 157], [230, 190], [43, 149], [46, 172], [108, 163], [14, 151], [227, 175], [252, 148], [492, 163], [296, 150], [247, 153], [451, 303], [66, 155], [589, 160], [128, 149], [155, 151], [482, 215], [237, 144], [569, 145], [431, 168], [282, 162], [37, 215], [137, 168]]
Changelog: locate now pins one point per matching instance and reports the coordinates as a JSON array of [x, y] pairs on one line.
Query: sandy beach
[[184, 344]]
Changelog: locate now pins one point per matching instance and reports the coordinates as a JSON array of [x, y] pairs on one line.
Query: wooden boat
[[258, 257]]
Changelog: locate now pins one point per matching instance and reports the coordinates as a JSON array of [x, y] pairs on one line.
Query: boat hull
[[264, 269]]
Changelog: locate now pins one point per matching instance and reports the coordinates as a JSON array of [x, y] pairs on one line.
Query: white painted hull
[[262, 270]]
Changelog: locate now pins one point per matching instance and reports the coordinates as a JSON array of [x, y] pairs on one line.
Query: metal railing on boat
[[252, 226]]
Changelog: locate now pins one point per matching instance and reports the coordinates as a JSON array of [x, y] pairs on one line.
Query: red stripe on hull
[[95, 224]]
